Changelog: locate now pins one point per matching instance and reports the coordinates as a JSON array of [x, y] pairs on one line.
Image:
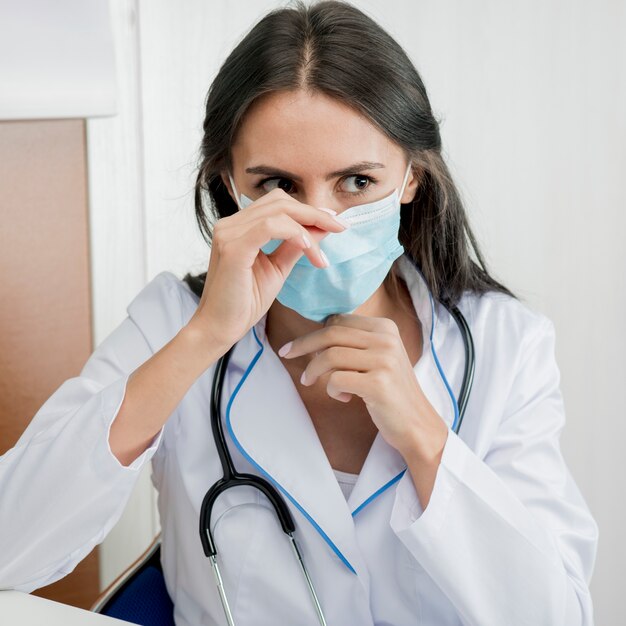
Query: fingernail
[[307, 241], [324, 258], [328, 210], [303, 377], [285, 349]]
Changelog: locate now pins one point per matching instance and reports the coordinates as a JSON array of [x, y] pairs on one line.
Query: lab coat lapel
[[272, 429], [384, 465]]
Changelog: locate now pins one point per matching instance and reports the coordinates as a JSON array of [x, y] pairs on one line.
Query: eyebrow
[[273, 171]]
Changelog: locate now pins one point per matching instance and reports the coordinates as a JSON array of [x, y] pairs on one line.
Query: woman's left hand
[[365, 356]]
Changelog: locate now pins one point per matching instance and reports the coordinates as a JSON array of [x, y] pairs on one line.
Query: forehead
[[298, 127]]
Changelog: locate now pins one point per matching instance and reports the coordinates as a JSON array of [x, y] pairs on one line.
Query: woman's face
[[318, 150]]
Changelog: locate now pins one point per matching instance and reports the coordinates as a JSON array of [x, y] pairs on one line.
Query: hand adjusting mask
[[360, 257]]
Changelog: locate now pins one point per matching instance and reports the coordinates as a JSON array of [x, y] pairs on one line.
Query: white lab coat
[[506, 539]]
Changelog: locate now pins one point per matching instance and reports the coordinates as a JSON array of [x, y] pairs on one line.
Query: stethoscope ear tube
[[238, 480], [468, 373], [231, 477]]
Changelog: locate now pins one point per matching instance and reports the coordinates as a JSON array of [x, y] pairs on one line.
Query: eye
[[267, 184], [360, 183]]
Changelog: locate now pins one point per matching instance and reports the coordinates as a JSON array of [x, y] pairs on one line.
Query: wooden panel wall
[[45, 311]]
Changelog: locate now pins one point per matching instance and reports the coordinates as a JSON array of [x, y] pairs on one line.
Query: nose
[[320, 195]]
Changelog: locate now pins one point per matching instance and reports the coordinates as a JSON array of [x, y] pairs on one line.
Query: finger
[[278, 201], [364, 322], [286, 256], [330, 360], [281, 226], [357, 331], [314, 223], [343, 385], [324, 338], [342, 358]]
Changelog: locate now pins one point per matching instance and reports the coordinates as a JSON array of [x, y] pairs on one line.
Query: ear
[[226, 181], [412, 185]]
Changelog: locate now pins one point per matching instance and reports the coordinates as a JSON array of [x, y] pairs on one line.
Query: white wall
[[56, 59], [532, 97]]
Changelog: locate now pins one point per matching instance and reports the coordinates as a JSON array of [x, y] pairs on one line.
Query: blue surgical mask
[[360, 258]]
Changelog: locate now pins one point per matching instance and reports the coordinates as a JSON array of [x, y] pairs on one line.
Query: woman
[[340, 389]]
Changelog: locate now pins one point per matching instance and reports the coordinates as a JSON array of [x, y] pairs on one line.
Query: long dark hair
[[334, 48]]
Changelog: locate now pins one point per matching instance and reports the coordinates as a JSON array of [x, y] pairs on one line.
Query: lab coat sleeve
[[61, 487], [508, 537]]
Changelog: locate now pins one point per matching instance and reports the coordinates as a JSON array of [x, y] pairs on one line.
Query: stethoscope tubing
[[470, 359], [232, 478]]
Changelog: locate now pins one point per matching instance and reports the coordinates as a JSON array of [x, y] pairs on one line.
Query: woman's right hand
[[242, 281]]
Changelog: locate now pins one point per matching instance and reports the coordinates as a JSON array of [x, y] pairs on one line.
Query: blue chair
[[138, 595]]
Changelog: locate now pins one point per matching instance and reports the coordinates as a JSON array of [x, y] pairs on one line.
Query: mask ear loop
[[232, 183], [406, 177]]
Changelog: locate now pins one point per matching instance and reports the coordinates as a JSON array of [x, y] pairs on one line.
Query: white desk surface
[[24, 609]]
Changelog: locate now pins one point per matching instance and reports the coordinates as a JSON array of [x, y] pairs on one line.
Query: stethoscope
[[232, 478]]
